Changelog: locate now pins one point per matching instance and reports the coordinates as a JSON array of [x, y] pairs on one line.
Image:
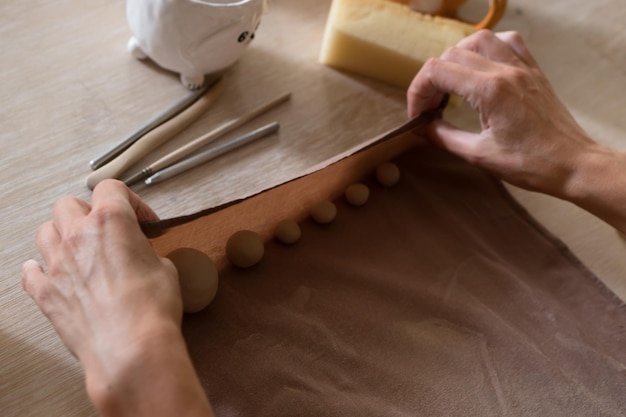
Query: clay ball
[[388, 174], [324, 212], [197, 276], [288, 232], [244, 249], [357, 194]]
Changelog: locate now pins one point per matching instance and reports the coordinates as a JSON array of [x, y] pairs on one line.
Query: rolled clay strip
[[154, 138], [198, 278], [245, 249]]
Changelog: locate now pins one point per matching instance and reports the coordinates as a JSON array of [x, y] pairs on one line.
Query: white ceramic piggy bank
[[192, 37]]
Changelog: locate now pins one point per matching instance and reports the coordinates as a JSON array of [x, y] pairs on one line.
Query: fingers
[[115, 193], [47, 240], [111, 197], [38, 286], [143, 211], [502, 47], [67, 210], [487, 44], [109, 194], [467, 58], [464, 69], [33, 279], [436, 78], [516, 43], [454, 140]]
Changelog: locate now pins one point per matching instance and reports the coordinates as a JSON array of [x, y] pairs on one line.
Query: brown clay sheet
[[440, 297]]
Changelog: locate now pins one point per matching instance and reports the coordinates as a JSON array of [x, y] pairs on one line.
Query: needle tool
[[212, 153], [205, 139], [173, 111], [156, 137]]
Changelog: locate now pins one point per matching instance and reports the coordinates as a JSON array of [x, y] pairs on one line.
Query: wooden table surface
[[69, 90]]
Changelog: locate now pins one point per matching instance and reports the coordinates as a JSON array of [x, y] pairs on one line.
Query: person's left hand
[[106, 291]]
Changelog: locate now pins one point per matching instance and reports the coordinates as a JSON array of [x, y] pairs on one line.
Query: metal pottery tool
[[205, 139], [168, 114], [212, 153], [157, 136]]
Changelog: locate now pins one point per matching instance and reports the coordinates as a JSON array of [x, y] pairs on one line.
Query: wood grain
[[214, 134], [70, 91]]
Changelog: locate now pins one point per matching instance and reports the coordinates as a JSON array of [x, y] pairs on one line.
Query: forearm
[[598, 185], [155, 379]]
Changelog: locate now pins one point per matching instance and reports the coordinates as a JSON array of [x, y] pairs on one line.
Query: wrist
[[597, 184], [588, 171], [153, 377], [110, 375]]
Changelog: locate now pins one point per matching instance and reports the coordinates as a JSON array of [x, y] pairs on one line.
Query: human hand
[[528, 137], [106, 292]]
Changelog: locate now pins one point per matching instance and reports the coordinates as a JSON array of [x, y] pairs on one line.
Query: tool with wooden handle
[[205, 139], [212, 153], [168, 114], [156, 137]]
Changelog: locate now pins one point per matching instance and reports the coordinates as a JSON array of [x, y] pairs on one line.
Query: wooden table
[[69, 91]]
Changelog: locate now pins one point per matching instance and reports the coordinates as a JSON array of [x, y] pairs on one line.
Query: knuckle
[[449, 52], [74, 238], [512, 37], [483, 35], [519, 78], [109, 185], [107, 214], [64, 202], [431, 66], [424, 77], [473, 41], [507, 84], [516, 37]]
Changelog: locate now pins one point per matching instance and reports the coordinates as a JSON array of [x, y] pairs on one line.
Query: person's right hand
[[528, 137]]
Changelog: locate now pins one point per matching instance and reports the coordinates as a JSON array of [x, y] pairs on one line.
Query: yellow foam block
[[385, 40]]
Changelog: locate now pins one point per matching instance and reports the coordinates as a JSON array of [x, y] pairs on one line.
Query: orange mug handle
[[495, 13]]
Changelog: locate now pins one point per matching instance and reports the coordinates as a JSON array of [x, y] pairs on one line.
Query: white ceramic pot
[[192, 37]]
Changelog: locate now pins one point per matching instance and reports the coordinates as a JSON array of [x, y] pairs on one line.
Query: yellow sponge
[[385, 40]]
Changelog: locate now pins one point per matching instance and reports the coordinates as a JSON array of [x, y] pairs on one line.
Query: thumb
[[452, 139]]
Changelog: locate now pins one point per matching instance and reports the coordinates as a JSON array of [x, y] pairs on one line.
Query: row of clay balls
[[198, 275]]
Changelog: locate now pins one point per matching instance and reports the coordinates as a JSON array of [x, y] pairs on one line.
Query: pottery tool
[[205, 139], [212, 153], [168, 114], [156, 137], [275, 206]]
